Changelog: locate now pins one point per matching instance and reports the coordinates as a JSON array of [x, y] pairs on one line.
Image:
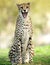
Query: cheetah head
[[24, 9]]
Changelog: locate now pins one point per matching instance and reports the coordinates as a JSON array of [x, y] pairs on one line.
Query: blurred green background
[[40, 14]]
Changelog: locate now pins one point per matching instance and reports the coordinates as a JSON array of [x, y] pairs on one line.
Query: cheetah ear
[[18, 5]]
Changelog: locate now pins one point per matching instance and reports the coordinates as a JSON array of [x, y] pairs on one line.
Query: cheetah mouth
[[24, 14]]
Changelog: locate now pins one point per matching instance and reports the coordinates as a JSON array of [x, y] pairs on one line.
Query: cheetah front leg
[[31, 50], [25, 53]]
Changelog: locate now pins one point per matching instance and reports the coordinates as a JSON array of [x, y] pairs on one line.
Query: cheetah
[[22, 49]]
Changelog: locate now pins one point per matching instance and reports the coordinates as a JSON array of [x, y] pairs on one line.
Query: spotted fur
[[22, 48]]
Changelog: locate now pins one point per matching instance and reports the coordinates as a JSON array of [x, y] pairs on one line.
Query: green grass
[[4, 57], [42, 56]]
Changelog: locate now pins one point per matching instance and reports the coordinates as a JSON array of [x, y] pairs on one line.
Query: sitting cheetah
[[22, 49]]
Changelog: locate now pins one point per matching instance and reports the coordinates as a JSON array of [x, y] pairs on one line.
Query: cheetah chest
[[26, 30]]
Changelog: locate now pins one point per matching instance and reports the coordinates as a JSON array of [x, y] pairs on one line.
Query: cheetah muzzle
[[24, 14]]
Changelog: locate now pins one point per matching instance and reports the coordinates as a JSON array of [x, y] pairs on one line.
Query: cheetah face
[[24, 9]]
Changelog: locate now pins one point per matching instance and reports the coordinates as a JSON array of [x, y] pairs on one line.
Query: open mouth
[[24, 14]]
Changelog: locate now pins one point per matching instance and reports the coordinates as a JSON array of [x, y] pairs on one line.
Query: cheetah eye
[[22, 7], [27, 7]]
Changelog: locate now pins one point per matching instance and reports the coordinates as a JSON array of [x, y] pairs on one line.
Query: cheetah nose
[[24, 10]]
